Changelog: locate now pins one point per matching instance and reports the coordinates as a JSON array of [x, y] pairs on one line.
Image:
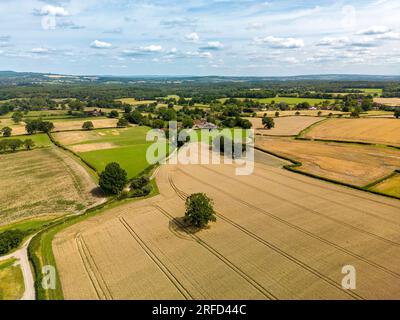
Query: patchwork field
[[354, 164], [11, 280], [284, 126], [42, 182], [374, 130], [278, 235], [125, 146]]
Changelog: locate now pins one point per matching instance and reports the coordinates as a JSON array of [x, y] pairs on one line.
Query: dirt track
[[279, 235]]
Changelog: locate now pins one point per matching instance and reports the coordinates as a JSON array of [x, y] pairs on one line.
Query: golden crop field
[[77, 124], [393, 102], [354, 164], [42, 182], [373, 130], [278, 235], [284, 126], [389, 186]]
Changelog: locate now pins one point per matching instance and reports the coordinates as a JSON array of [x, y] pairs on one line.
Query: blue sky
[[200, 37]]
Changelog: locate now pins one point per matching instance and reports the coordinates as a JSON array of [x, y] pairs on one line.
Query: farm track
[[100, 286], [301, 264], [308, 233], [222, 258], [185, 293], [315, 212]]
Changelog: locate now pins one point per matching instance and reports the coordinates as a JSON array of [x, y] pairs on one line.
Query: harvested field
[[354, 164], [42, 182], [373, 130], [77, 124], [393, 102], [17, 129], [310, 113], [284, 126], [278, 235], [389, 186]]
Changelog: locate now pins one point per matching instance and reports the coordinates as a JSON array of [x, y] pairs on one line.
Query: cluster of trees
[[38, 125], [10, 240], [15, 144], [140, 186], [113, 179]]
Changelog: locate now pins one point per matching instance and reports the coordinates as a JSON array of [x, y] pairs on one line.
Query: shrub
[[140, 182], [88, 125]]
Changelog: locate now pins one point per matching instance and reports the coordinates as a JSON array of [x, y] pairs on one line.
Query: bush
[[140, 182], [199, 210], [113, 179], [88, 125], [10, 239]]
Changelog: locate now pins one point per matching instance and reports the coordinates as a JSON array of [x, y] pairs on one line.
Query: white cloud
[[213, 45], [374, 30], [199, 54], [53, 11], [389, 36], [284, 43], [152, 48], [192, 37], [332, 41], [96, 44], [40, 50]]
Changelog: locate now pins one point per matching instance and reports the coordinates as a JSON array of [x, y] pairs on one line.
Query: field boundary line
[[222, 258], [300, 229], [164, 269], [276, 249]]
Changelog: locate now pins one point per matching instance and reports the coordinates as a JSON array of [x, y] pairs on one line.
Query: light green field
[[11, 280], [370, 90], [133, 101], [41, 139]]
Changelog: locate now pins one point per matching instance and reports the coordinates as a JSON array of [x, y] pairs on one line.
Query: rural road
[[22, 259]]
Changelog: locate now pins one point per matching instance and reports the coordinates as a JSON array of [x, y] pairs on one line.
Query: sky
[[201, 37]]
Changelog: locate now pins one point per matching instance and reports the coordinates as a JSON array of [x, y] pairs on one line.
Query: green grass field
[[41, 139], [128, 148], [370, 90]]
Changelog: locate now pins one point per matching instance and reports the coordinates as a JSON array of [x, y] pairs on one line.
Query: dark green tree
[[88, 125], [113, 179], [199, 210], [6, 131], [268, 122]]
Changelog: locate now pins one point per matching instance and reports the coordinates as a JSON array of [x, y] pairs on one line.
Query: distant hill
[[27, 78]]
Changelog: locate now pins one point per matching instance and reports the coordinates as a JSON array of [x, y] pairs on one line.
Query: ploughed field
[[284, 126], [42, 182], [372, 130], [354, 164], [278, 235]]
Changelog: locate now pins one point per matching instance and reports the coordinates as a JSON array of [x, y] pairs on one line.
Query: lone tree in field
[[199, 210], [268, 122], [29, 144], [122, 123], [6, 131], [113, 179], [397, 114], [88, 125]]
